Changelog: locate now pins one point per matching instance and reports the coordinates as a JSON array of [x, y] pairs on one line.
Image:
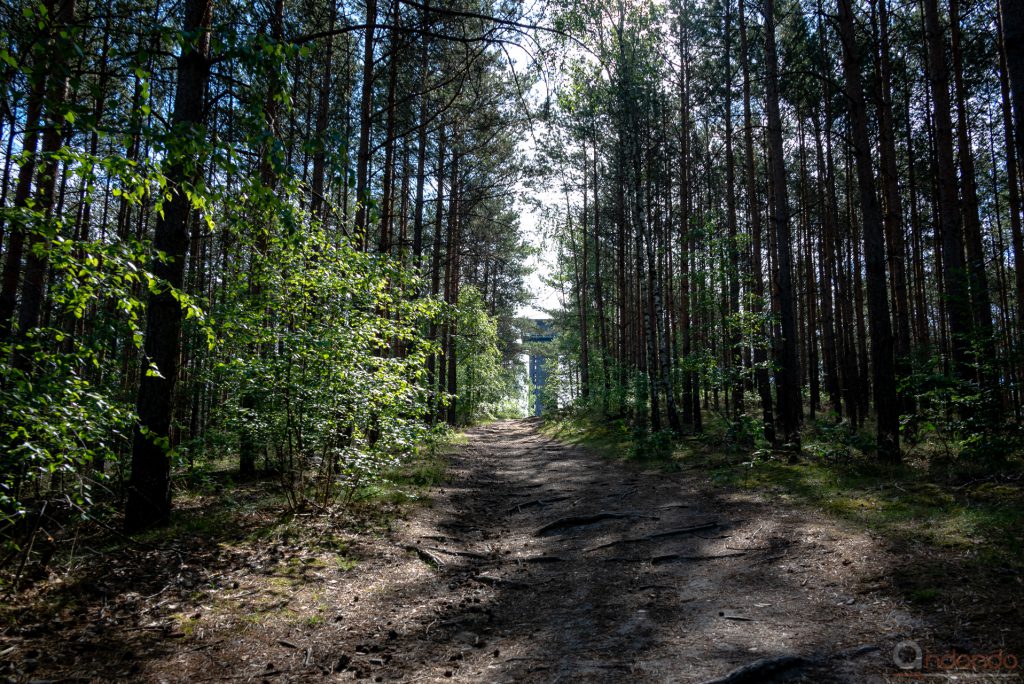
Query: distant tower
[[538, 375]]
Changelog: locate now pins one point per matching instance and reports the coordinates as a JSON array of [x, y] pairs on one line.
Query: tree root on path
[[659, 535], [767, 670], [669, 558], [579, 520], [540, 559], [424, 555], [536, 502], [763, 670]]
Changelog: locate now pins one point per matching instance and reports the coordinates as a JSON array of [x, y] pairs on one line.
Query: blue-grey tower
[[538, 375]]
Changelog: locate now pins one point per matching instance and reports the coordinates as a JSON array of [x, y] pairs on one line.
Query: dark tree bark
[[386, 228], [149, 491], [760, 354], [435, 274], [733, 337], [957, 296], [12, 272], [1010, 138], [421, 153], [33, 284], [317, 200], [365, 123], [582, 293], [452, 285], [981, 303], [1012, 14], [789, 360], [884, 380], [598, 290], [893, 216]]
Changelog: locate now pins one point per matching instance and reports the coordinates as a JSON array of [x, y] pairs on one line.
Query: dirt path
[[653, 580], [538, 562]]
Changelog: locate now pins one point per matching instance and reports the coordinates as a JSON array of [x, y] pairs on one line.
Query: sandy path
[[707, 584]]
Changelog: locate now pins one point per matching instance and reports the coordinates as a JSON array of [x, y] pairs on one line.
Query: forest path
[[642, 575], [535, 562]]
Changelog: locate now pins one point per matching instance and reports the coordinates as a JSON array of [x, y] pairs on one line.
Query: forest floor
[[536, 561]]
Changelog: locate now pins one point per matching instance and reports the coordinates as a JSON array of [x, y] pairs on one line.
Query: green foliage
[[958, 425], [647, 446], [488, 388], [322, 364], [66, 409]]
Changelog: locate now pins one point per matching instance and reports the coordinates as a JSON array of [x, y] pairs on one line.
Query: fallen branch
[[579, 520], [654, 537], [761, 670]]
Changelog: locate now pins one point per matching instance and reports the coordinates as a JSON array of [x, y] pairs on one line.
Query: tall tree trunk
[[149, 491], [760, 353], [826, 271], [1012, 177], [981, 303], [598, 290], [435, 273], [733, 337], [1012, 14], [452, 285], [34, 282], [11, 278], [789, 370], [365, 123], [421, 151], [884, 380], [893, 217], [387, 183], [582, 294], [317, 200], [954, 274]]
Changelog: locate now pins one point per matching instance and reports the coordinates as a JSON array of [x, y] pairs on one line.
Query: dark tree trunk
[[149, 491], [582, 294], [34, 282], [1012, 14], [421, 155], [11, 278], [884, 380], [435, 274], [893, 216], [598, 290], [365, 123], [981, 303], [1013, 158], [317, 199], [957, 297], [788, 361], [760, 354], [452, 286], [733, 338]]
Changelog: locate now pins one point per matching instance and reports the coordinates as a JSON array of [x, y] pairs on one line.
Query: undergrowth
[[214, 505], [924, 501]]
